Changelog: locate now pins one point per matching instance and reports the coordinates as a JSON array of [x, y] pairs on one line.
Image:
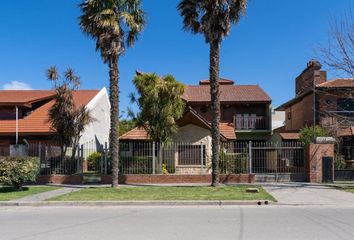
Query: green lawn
[[349, 189], [127, 193], [8, 193]]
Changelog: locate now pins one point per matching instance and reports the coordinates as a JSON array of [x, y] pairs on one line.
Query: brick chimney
[[312, 74]]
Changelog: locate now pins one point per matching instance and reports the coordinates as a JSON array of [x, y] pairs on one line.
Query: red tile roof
[[37, 122], [228, 93], [135, 134], [346, 132], [289, 136], [338, 83], [21, 97], [228, 130]]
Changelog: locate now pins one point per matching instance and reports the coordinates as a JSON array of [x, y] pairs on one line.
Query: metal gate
[[283, 161], [269, 161]]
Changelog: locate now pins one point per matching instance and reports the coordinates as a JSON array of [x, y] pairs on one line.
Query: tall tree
[[160, 103], [67, 119], [113, 24], [213, 19]]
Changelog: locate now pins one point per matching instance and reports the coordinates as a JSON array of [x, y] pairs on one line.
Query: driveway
[[311, 194]]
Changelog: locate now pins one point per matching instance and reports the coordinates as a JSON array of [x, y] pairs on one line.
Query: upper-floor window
[[289, 115], [345, 106]]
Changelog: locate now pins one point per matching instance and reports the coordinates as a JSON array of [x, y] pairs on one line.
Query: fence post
[[153, 158], [201, 158], [39, 156], [250, 156], [78, 159], [101, 159], [105, 158]]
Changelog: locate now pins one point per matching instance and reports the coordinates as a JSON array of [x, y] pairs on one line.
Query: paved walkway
[[47, 195], [308, 194]]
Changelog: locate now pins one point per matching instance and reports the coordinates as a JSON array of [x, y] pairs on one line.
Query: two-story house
[[245, 115], [329, 103], [24, 117]]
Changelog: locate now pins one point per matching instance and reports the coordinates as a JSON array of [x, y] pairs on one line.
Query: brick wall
[[59, 179], [314, 155], [161, 179]]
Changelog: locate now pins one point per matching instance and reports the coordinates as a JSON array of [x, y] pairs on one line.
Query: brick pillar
[[314, 154]]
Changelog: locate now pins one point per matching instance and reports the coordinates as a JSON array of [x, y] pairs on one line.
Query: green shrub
[[93, 161], [308, 134], [339, 162], [135, 165], [233, 163], [16, 171]]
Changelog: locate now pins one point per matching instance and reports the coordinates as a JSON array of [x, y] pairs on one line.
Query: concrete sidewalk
[[308, 194], [47, 195]]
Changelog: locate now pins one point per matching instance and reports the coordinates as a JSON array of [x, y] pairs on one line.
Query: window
[[345, 106], [191, 154], [289, 115]]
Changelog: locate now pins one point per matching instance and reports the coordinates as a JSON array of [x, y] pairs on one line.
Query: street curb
[[130, 203]]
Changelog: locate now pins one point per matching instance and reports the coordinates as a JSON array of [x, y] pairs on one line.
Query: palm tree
[[113, 24], [213, 19]]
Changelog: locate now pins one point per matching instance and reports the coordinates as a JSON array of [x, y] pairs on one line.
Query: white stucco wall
[[278, 119], [98, 131]]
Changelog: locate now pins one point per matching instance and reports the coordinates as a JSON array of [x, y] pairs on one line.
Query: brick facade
[[59, 179], [314, 155], [175, 179]]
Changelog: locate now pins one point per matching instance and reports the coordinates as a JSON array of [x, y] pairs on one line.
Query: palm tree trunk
[[215, 109], [114, 99]]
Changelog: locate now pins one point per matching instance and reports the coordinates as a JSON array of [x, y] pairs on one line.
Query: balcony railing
[[251, 123]]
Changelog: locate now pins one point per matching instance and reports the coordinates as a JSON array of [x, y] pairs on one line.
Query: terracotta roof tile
[[23, 96], [227, 130], [228, 93], [135, 134], [289, 136], [347, 132], [37, 121], [338, 82]]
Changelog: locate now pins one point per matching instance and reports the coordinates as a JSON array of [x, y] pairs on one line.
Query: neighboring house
[[245, 115], [33, 124], [332, 106]]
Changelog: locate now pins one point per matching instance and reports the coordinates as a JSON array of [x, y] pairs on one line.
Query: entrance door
[[327, 174]]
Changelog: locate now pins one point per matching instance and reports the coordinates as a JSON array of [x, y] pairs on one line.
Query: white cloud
[[16, 85]]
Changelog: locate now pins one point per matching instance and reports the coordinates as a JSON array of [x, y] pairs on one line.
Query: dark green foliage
[[67, 119], [160, 103], [136, 165], [309, 134], [125, 126], [233, 163], [339, 162], [15, 171], [93, 161]]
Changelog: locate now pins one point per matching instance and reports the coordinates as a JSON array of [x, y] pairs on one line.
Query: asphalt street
[[192, 222]]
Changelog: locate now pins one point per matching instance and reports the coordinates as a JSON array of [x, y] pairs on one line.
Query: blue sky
[[270, 46]]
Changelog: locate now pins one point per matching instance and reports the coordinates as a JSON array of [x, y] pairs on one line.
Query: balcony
[[250, 122]]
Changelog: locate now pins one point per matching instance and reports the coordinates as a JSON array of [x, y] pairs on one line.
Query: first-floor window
[[191, 154]]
